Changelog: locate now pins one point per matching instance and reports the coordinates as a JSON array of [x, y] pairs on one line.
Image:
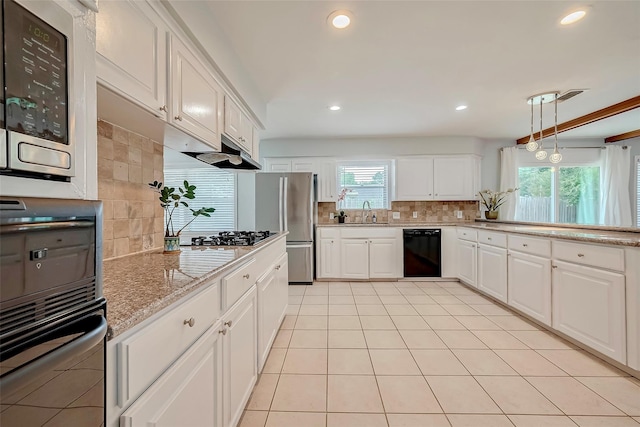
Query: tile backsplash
[[133, 218], [427, 212]]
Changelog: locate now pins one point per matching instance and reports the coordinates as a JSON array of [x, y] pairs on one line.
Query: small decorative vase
[[341, 219], [491, 214], [171, 244]]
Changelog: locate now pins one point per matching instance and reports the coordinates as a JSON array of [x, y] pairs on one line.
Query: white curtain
[[509, 179], [615, 203]]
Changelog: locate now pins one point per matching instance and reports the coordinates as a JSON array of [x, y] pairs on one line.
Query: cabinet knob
[[277, 267], [228, 323], [190, 322], [178, 117], [246, 276], [489, 238], [524, 245], [580, 255], [430, 194], [163, 108], [554, 266], [332, 241], [222, 331]]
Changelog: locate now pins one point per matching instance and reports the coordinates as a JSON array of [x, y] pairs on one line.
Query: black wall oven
[[422, 252], [35, 139], [52, 313]]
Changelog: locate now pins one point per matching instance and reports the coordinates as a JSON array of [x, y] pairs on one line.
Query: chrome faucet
[[365, 215]]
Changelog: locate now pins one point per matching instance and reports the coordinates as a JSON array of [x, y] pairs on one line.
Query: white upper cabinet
[[436, 178], [276, 165], [131, 42], [304, 164], [327, 185], [196, 98], [237, 125]]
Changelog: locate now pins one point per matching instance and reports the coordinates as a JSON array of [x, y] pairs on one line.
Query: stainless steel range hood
[[231, 156]]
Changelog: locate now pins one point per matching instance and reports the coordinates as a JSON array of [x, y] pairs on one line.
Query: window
[[638, 191], [215, 188], [567, 194], [364, 180]]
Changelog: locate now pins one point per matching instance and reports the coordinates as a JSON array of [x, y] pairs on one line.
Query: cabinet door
[[492, 271], [196, 98], [232, 119], [246, 130], [328, 259], [188, 394], [589, 305], [268, 313], [354, 258], [383, 258], [277, 165], [131, 42], [327, 185], [467, 260], [240, 364], [414, 179], [529, 285], [304, 165], [452, 178], [449, 244]]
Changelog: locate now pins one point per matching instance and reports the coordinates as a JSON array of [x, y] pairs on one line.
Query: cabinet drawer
[[591, 255], [368, 232], [467, 234], [235, 284], [328, 232], [530, 245], [492, 238], [144, 356]]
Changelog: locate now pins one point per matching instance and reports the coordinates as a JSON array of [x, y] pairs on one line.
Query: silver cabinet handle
[[190, 322], [228, 323], [223, 331], [580, 255], [524, 245], [246, 276], [178, 117], [163, 108]]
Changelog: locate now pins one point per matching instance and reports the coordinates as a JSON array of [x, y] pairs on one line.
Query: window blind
[[362, 181], [215, 188], [638, 191]]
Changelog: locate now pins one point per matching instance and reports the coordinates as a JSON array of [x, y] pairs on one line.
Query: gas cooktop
[[231, 238]]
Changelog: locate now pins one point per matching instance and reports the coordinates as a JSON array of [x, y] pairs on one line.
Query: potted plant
[[341, 216], [492, 200], [170, 200]]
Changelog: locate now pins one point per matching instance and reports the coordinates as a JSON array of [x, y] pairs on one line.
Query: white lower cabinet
[[188, 394], [529, 285], [328, 262], [492, 271], [273, 288], [467, 261], [382, 258], [589, 305], [355, 258]]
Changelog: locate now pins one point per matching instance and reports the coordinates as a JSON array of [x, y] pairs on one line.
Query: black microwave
[[35, 139]]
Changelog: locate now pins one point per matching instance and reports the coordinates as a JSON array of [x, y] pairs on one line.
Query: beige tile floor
[[420, 354]]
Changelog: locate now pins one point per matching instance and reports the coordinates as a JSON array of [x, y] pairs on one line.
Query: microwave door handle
[[285, 190], [13, 381]]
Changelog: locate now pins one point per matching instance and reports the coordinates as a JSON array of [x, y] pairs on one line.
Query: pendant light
[[541, 154], [532, 145], [556, 157]]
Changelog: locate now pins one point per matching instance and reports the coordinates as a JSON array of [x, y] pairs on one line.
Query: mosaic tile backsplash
[[133, 218], [427, 212]]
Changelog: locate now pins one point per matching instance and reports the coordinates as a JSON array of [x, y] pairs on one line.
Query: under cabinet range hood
[[231, 156]]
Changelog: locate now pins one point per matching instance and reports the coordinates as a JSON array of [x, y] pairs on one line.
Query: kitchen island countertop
[[140, 285]]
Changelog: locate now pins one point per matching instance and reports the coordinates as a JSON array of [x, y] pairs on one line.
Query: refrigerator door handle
[[280, 199], [285, 190]]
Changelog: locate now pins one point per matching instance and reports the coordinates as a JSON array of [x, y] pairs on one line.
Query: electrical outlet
[[415, 214], [396, 215], [331, 215], [459, 214]]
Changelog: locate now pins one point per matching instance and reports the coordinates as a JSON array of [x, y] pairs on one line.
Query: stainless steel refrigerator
[[286, 202]]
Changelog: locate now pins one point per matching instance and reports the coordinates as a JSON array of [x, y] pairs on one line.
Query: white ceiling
[[402, 67]]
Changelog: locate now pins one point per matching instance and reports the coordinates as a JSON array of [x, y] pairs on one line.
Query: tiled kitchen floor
[[420, 354]]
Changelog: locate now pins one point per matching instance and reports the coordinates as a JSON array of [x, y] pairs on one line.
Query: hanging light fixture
[[556, 157], [532, 145], [541, 154]]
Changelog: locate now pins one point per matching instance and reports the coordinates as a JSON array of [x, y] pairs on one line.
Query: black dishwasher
[[421, 252]]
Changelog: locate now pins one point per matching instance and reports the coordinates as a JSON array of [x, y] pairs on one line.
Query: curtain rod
[[624, 147]]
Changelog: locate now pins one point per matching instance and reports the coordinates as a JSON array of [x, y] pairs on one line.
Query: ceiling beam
[[621, 107], [623, 136]]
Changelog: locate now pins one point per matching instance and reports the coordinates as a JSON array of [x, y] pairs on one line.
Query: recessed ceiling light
[[461, 107], [340, 19], [334, 108], [573, 17]]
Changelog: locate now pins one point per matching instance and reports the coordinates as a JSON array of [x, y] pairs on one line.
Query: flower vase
[[341, 219], [491, 214], [171, 244]]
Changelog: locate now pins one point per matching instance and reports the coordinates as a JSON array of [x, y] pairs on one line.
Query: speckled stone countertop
[[138, 286], [603, 235]]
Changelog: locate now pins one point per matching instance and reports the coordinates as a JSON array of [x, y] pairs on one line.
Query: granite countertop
[[140, 285], [395, 224]]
